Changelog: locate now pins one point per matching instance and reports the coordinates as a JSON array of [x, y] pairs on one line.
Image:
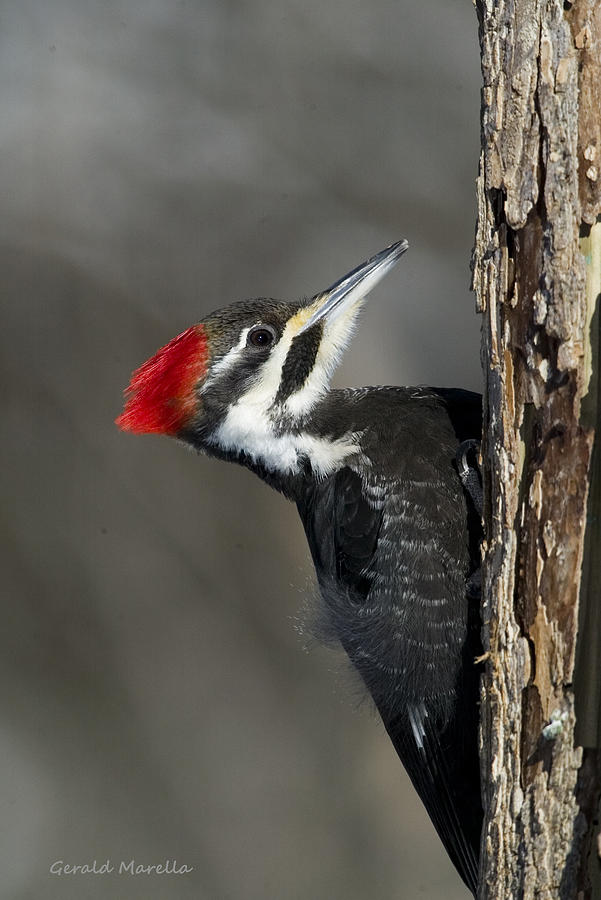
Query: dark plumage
[[392, 531], [393, 556]]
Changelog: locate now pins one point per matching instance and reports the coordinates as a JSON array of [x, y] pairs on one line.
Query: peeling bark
[[537, 194]]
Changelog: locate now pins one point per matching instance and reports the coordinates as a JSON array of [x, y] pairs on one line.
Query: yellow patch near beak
[[303, 315]]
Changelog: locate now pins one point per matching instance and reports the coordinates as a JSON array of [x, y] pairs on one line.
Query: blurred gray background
[[160, 159]]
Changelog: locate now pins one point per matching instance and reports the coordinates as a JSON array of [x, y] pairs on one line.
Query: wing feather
[[343, 525]]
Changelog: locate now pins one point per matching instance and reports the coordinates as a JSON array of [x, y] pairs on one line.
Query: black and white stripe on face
[[255, 393], [299, 363], [258, 400], [282, 381], [236, 362]]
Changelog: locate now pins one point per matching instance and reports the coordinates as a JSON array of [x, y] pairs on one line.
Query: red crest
[[161, 395]]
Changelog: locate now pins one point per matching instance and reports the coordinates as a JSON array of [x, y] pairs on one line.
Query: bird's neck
[[282, 450]]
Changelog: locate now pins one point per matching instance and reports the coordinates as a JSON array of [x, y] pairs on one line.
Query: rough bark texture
[[539, 189]]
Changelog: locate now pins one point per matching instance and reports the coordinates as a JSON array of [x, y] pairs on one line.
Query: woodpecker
[[386, 485]]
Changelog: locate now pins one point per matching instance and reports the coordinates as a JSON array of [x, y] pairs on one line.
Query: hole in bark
[[497, 198], [567, 5], [510, 238], [557, 431]]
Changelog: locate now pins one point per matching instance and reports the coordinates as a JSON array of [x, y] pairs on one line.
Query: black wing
[[441, 758]]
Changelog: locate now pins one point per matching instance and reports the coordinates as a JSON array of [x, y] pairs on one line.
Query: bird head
[[251, 373]]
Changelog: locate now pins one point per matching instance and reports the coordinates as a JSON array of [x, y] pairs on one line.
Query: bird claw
[[468, 467]]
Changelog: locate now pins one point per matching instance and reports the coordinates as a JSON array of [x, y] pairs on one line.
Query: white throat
[[249, 429]]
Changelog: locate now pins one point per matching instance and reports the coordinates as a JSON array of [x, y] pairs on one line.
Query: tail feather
[[430, 756]]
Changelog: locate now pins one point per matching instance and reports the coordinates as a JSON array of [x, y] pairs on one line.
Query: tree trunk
[[537, 275]]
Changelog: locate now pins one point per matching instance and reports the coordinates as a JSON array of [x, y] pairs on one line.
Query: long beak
[[355, 285]]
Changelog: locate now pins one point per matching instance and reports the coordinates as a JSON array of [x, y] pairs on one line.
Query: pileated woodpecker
[[389, 500]]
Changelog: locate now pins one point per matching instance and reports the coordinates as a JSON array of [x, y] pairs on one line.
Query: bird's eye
[[261, 336]]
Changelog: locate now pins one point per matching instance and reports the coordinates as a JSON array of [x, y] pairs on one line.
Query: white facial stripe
[[262, 395], [270, 371], [336, 336], [228, 361]]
